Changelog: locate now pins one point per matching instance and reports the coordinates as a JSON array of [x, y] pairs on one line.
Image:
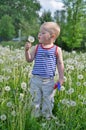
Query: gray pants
[[42, 100]]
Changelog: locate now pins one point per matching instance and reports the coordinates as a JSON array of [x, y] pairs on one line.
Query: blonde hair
[[51, 27]]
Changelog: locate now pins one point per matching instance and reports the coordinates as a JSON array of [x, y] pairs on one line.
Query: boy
[[47, 57]]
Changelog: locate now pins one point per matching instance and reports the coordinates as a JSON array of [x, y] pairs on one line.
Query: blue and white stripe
[[45, 62]]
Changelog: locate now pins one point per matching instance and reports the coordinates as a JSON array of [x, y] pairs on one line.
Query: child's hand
[[57, 85], [61, 81], [27, 46]]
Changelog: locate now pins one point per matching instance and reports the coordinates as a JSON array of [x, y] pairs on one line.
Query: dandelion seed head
[[78, 83], [64, 101], [24, 86], [62, 88], [84, 84], [9, 104], [3, 117], [84, 102], [7, 88], [21, 97], [72, 103], [81, 97], [1, 78], [31, 39], [13, 113], [80, 76], [70, 91], [65, 78], [1, 61]]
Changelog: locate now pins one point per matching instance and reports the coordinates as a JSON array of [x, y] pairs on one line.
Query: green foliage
[[46, 16], [72, 34], [15, 99], [72, 22], [12, 44], [6, 27], [20, 11]]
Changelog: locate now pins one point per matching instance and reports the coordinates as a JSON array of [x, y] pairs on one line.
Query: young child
[[47, 57]]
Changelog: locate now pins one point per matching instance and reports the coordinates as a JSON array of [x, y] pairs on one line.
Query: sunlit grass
[[70, 102]]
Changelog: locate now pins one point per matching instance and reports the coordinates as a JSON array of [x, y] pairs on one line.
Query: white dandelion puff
[[72, 103], [7, 88], [64, 101], [3, 117], [78, 83], [73, 52], [21, 97], [84, 102], [65, 78], [9, 104], [84, 84], [70, 91], [31, 39], [1, 61], [13, 113], [24, 86], [80, 97], [80, 76], [62, 88]]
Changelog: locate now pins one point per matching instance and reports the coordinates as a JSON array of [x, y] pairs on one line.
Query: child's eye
[[42, 33]]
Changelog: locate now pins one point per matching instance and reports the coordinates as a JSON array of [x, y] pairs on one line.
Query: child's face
[[44, 36]]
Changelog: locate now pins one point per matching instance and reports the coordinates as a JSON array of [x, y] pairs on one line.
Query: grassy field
[[70, 102]]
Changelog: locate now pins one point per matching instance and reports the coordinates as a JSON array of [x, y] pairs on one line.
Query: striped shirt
[[45, 62]]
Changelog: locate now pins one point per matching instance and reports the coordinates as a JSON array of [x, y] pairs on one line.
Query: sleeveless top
[[45, 61]]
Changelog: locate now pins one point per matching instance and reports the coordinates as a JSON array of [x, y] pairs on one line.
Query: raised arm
[[60, 66], [29, 52]]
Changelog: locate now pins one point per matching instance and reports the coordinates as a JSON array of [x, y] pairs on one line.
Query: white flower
[[78, 83], [9, 104], [65, 78], [84, 102], [24, 86], [7, 88], [21, 97], [70, 91], [80, 76], [80, 97], [1, 61], [64, 101], [13, 113], [37, 106], [3, 117], [31, 39], [71, 67], [1, 78], [68, 103], [16, 65], [72, 103], [84, 84], [74, 52], [62, 88]]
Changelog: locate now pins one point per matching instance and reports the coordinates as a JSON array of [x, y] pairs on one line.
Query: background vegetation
[[19, 19], [23, 16]]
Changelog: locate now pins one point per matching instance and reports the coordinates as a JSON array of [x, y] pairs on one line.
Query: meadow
[[70, 101]]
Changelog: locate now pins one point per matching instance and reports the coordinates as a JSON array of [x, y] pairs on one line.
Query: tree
[[60, 18], [7, 29], [72, 21], [18, 10], [73, 29], [46, 16]]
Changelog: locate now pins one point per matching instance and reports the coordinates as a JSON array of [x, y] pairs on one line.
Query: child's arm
[[60, 65], [29, 52]]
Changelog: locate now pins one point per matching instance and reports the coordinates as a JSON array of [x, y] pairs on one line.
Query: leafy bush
[[7, 29]]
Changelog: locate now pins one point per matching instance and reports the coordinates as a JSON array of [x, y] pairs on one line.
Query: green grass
[[70, 102]]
